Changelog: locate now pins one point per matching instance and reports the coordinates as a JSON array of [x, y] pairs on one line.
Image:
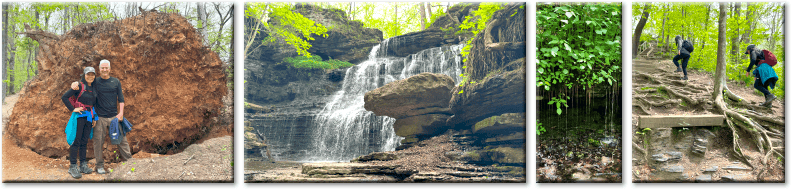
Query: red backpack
[[74, 101], [769, 58]]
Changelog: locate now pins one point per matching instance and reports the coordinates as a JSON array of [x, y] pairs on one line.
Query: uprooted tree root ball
[[172, 83]]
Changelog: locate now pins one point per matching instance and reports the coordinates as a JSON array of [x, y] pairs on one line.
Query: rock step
[[703, 178], [346, 169], [736, 178]]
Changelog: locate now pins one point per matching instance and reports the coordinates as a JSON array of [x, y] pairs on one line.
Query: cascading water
[[344, 130]]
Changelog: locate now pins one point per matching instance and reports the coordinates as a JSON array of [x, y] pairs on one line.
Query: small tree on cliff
[[288, 28]]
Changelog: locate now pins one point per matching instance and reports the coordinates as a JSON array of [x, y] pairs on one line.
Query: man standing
[[109, 105], [684, 52]]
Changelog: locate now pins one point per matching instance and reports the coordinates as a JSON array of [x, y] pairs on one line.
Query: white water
[[345, 130]]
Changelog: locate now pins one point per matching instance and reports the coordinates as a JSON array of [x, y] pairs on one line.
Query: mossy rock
[[376, 156], [504, 123], [253, 108]]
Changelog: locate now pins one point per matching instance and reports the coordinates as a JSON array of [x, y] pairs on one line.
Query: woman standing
[[84, 109]]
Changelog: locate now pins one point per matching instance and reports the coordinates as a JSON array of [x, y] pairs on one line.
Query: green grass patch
[[315, 62]]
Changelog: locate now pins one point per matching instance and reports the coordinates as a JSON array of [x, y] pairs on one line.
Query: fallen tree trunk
[[172, 83]]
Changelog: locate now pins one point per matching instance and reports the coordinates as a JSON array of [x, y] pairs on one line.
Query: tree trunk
[[664, 20], [428, 5], [735, 39], [350, 11], [706, 25], [201, 9], [422, 16], [11, 56], [719, 72], [5, 44], [639, 29]]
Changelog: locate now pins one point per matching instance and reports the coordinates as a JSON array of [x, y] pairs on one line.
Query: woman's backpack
[[73, 100], [769, 58]]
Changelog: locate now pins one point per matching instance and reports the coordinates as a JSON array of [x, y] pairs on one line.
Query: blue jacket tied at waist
[[71, 126], [767, 75]]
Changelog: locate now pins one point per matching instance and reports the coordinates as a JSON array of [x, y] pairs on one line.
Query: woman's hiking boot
[[84, 168], [74, 171], [685, 77], [769, 99], [678, 70]]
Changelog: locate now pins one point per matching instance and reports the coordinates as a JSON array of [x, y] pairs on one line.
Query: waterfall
[[343, 129]]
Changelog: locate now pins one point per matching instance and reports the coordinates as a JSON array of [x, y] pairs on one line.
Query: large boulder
[[173, 83], [421, 94]]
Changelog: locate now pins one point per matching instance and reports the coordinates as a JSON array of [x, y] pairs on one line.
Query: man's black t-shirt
[[109, 94]]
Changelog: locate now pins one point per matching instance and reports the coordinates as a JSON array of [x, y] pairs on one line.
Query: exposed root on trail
[[661, 88]]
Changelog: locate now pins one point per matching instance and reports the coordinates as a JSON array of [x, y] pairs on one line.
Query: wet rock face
[[419, 103], [172, 83], [417, 95]]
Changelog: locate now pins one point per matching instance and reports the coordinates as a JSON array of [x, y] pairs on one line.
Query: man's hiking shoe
[[84, 168], [678, 70], [100, 170], [684, 78], [74, 171]]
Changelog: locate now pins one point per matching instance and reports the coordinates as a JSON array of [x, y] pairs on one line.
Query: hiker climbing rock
[[685, 49], [765, 76]]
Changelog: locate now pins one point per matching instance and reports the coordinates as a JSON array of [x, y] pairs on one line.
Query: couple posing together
[[99, 101]]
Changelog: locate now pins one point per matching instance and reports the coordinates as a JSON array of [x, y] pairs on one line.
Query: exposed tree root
[[765, 131], [638, 148]]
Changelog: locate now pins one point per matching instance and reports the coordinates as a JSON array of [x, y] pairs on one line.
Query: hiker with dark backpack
[[765, 76], [685, 49], [81, 103]]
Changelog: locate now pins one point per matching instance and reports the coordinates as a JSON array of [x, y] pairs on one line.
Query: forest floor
[[578, 148], [209, 160], [672, 153]]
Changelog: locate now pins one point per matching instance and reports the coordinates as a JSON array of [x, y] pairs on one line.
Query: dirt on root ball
[[172, 83]]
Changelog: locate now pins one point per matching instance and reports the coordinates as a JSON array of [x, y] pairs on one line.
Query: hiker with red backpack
[[685, 49], [765, 76], [81, 103]]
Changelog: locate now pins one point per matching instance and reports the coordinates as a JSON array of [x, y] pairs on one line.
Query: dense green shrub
[[315, 62], [578, 45]]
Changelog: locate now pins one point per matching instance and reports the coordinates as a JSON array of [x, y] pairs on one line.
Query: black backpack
[[688, 45]]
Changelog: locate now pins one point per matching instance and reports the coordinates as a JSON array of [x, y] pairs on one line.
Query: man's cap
[[88, 69]]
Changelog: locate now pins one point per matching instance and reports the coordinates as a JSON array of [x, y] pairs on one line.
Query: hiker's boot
[[684, 78], [74, 171], [678, 70], [100, 170], [84, 168], [769, 99]]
